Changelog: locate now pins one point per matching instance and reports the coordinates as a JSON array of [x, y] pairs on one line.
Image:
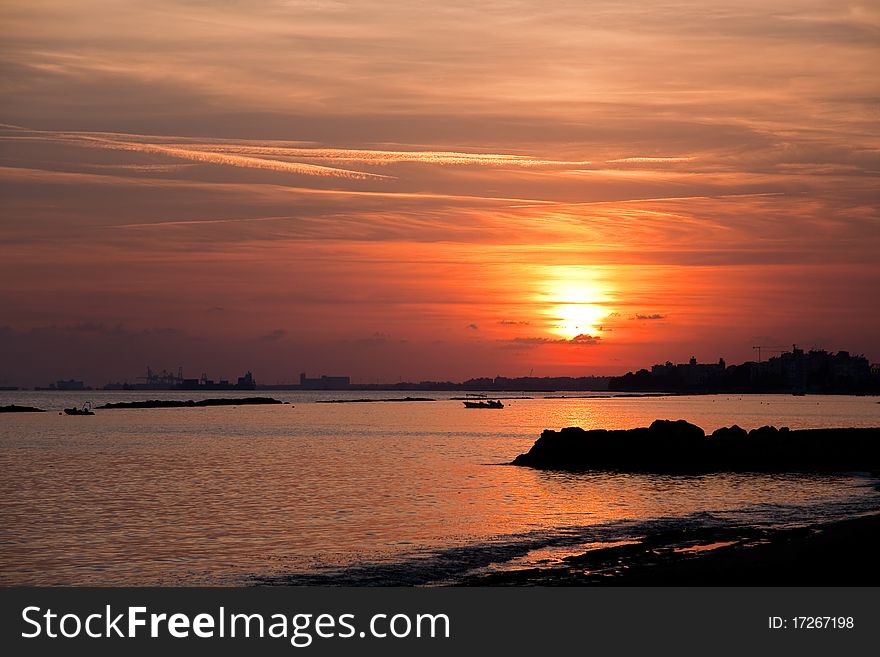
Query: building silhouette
[[324, 382], [795, 371]]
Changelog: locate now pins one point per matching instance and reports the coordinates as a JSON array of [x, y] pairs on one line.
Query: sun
[[576, 302], [576, 319]]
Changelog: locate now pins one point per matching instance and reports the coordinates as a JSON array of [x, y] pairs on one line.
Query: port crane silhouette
[[162, 378]]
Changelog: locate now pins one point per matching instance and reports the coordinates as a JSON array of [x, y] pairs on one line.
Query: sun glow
[[578, 319], [577, 302]]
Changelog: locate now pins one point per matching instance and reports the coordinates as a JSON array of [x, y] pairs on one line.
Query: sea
[[407, 493]]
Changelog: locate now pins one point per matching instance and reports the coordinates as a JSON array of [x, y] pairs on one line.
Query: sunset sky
[[403, 190]]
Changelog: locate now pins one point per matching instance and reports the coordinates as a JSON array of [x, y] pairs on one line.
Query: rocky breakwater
[[681, 447], [189, 403], [14, 408]]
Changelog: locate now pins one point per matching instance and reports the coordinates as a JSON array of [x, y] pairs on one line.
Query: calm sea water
[[363, 493]]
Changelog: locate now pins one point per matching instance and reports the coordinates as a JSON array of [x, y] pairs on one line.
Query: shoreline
[[839, 553]]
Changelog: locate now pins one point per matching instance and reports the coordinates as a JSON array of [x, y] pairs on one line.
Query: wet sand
[[842, 553]]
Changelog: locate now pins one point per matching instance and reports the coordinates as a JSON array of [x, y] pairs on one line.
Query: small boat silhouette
[[85, 410], [480, 401]]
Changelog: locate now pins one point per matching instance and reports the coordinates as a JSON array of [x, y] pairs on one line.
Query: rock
[[729, 433], [677, 429], [14, 408], [189, 403], [764, 433], [681, 447]]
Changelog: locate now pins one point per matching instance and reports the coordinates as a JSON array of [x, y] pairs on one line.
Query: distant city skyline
[[785, 368], [400, 190]]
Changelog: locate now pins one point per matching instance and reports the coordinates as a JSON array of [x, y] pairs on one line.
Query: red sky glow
[[405, 190]]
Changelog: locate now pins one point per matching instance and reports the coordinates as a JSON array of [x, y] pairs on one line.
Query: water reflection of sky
[[215, 495]]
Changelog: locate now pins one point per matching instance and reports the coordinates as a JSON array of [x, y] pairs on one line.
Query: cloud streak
[[383, 157], [536, 341], [650, 160], [203, 155], [259, 155], [225, 159]]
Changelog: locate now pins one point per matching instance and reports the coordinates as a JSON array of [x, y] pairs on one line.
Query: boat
[[85, 410], [480, 401], [487, 403]]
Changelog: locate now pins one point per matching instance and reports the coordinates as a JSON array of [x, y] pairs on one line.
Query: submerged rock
[[681, 447], [189, 403]]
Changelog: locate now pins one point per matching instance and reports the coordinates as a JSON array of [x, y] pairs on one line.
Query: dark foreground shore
[[841, 553]]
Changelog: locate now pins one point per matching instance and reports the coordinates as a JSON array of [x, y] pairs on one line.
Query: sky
[[418, 190]]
